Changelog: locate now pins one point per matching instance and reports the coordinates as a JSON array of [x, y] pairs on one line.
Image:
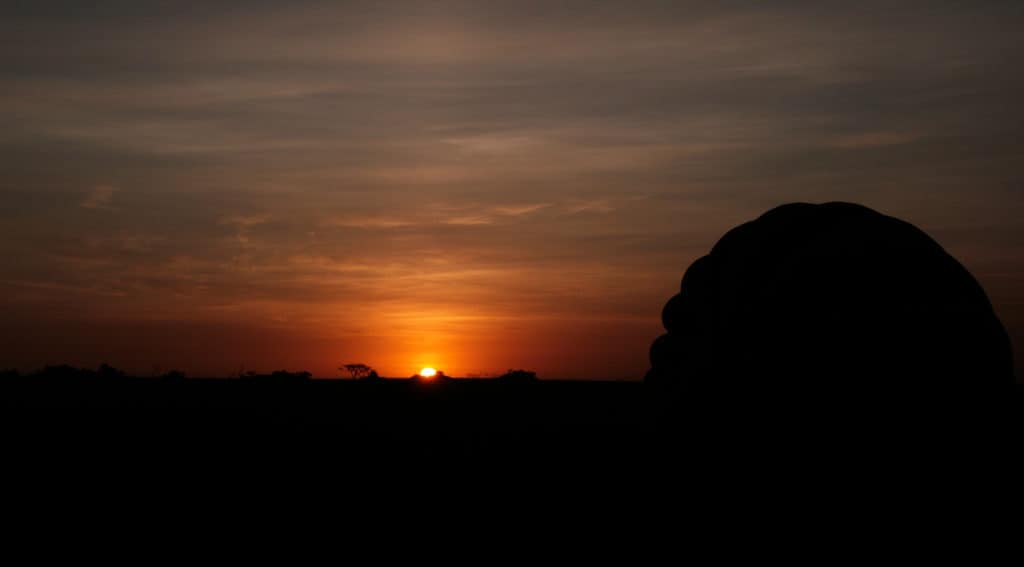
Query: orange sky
[[473, 186]]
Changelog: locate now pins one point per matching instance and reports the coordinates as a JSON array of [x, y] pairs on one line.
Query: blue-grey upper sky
[[468, 185]]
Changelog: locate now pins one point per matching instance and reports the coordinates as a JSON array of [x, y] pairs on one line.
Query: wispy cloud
[[598, 206], [494, 144], [245, 220], [455, 214], [520, 210], [470, 220], [479, 215], [100, 197], [371, 222], [874, 140], [243, 225]]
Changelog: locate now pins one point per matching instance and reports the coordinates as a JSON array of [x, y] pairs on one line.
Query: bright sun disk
[[428, 372]]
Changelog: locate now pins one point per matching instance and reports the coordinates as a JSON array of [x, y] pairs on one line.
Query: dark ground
[[338, 424], [611, 451], [195, 460], [346, 422]]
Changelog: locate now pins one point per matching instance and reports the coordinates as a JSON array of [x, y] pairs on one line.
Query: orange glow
[[428, 372]]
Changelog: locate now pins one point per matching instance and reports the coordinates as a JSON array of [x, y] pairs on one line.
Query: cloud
[[471, 220], [520, 210], [874, 140], [371, 222], [99, 198], [494, 144], [245, 221], [479, 216], [243, 224], [450, 213], [599, 206]]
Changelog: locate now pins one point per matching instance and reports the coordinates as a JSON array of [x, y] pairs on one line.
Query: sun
[[428, 372]]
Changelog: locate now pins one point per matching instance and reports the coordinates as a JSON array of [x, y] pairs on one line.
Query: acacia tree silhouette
[[359, 370]]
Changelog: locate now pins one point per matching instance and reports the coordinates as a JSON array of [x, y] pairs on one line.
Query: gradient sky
[[467, 185]]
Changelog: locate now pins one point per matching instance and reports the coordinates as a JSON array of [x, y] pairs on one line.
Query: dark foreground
[[321, 430], [342, 426]]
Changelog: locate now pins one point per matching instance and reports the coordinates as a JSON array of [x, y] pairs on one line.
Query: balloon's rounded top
[[822, 295]]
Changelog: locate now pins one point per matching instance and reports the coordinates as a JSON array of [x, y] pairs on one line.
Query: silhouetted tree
[[359, 370]]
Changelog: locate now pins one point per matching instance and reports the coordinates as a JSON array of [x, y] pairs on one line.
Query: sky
[[473, 186]]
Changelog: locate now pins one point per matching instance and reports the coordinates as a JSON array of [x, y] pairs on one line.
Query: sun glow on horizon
[[428, 372]]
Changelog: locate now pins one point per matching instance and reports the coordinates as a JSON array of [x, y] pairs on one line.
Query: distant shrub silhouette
[[818, 295], [292, 376], [60, 370], [440, 376], [173, 376], [108, 372], [518, 376], [64, 372], [278, 376]]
